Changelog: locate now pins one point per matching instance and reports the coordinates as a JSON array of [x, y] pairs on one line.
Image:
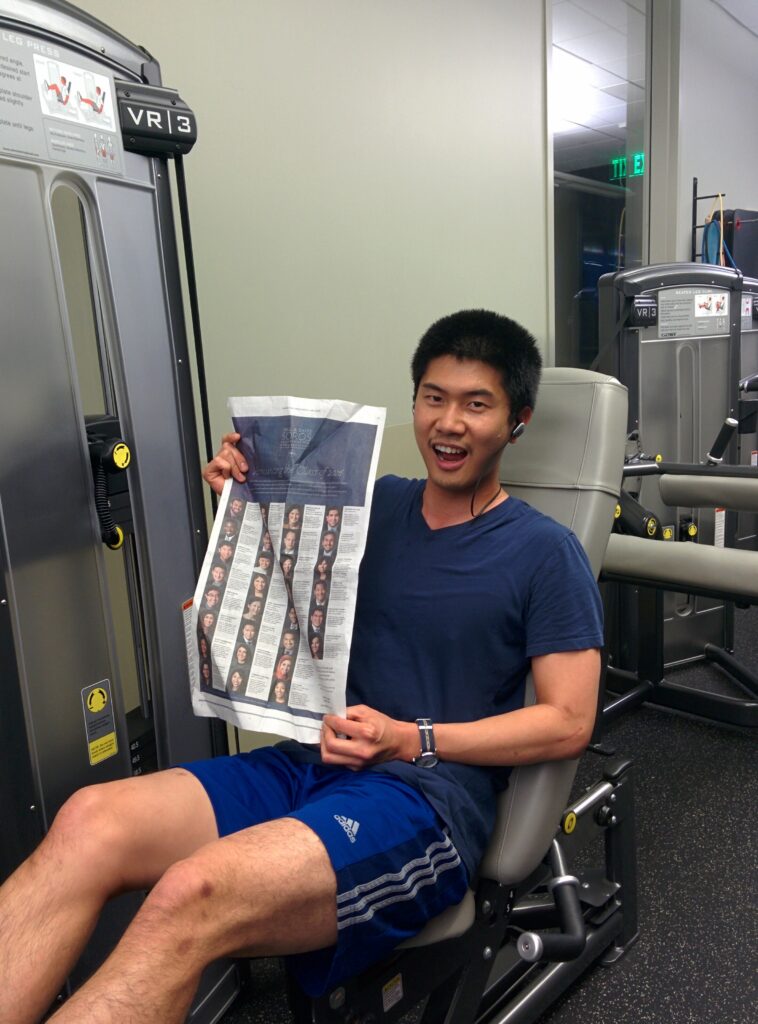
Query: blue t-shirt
[[446, 622]]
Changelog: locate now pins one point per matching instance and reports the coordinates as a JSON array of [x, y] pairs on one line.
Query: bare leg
[[269, 889], [50, 905]]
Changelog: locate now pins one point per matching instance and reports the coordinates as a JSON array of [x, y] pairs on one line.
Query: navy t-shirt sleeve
[[563, 611]]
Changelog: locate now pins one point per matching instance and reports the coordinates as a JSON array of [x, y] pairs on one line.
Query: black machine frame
[[527, 945]]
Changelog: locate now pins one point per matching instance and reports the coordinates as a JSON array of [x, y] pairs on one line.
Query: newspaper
[[269, 629]]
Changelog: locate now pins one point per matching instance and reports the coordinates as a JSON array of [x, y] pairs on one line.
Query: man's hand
[[227, 462], [366, 737]]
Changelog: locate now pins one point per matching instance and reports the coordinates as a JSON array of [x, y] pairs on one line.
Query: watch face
[[426, 760]]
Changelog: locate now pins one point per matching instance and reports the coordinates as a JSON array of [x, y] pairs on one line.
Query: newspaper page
[[269, 628]]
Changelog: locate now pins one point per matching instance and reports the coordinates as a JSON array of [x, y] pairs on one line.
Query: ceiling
[[598, 76]]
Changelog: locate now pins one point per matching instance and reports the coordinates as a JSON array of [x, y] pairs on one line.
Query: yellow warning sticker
[[569, 823], [392, 992], [99, 721], [100, 750]]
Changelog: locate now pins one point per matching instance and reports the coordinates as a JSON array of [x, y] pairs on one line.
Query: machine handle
[[719, 446], [570, 941], [749, 383]]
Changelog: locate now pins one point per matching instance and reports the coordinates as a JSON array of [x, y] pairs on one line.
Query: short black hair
[[490, 338]]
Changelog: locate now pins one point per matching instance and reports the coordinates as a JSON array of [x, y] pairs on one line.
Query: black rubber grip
[[721, 443]]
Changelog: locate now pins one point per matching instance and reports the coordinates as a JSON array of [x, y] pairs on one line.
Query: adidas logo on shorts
[[351, 827]]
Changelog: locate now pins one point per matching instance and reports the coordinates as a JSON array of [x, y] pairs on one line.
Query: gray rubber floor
[[696, 960]]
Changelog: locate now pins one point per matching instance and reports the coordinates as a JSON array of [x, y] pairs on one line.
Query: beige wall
[[363, 167]]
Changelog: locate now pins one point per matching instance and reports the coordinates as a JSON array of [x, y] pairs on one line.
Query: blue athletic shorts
[[395, 864]]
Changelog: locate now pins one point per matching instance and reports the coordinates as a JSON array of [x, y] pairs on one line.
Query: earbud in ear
[[518, 430]]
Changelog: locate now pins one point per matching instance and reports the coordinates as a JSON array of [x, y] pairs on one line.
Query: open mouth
[[449, 455]]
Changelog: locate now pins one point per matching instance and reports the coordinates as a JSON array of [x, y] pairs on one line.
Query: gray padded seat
[[567, 464]]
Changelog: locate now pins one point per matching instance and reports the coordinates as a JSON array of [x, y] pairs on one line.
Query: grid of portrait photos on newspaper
[[292, 630]]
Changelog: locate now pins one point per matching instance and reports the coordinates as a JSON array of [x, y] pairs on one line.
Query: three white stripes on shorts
[[361, 903]]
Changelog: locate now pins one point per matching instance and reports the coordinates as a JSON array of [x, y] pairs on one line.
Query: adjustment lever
[[749, 383], [109, 456], [570, 941]]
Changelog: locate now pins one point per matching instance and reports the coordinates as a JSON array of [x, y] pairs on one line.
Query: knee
[[88, 824], [185, 900]]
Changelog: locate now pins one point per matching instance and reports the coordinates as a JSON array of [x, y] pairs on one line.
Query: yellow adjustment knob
[[569, 823], [122, 456], [659, 457], [652, 526], [668, 533], [617, 511], [692, 530], [119, 541]]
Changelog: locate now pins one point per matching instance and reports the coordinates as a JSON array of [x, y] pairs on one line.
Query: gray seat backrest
[[567, 464]]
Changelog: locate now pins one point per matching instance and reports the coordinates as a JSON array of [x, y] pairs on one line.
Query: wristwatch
[[428, 756]]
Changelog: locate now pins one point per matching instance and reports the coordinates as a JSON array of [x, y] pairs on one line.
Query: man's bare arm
[[557, 726]]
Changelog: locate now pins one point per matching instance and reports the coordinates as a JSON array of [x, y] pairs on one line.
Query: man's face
[[218, 573], [332, 517], [248, 631], [211, 597], [327, 542], [317, 618], [266, 542], [288, 642], [229, 526], [264, 562], [462, 422], [290, 538], [235, 506], [319, 592], [225, 552]]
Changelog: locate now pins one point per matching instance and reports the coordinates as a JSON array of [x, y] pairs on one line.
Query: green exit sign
[[631, 166]]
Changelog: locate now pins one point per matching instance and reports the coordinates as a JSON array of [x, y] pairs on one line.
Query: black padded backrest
[[567, 464]]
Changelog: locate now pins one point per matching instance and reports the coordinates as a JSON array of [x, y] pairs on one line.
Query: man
[[319, 595], [316, 627], [218, 575], [332, 519], [229, 531], [248, 634], [327, 545], [225, 552], [235, 865], [289, 543], [288, 643]]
